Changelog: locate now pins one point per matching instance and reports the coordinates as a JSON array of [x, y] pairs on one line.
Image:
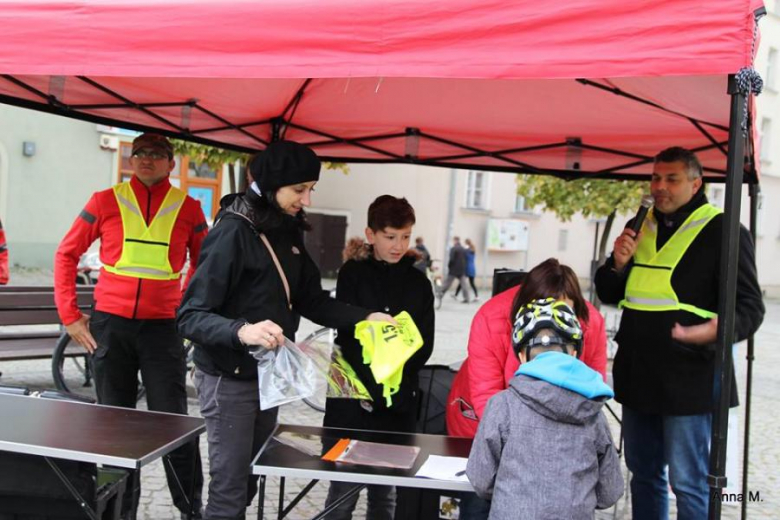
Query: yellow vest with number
[[145, 248], [649, 285], [387, 348]]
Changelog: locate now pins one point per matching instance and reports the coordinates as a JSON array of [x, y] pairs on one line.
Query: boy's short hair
[[544, 325], [388, 211]]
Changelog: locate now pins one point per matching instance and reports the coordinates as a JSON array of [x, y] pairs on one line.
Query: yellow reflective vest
[[145, 248], [649, 285], [387, 348]]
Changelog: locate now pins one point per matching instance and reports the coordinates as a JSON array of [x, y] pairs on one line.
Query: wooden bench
[[34, 306]]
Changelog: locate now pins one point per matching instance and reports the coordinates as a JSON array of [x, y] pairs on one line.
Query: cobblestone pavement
[[452, 325]]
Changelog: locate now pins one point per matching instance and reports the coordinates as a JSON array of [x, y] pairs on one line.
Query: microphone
[[647, 203]]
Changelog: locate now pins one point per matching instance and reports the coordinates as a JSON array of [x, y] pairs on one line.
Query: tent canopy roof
[[515, 86]]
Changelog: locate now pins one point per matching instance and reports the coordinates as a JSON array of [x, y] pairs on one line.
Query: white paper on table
[[444, 468]]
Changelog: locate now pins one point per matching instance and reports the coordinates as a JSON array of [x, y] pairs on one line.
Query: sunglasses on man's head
[[144, 154]]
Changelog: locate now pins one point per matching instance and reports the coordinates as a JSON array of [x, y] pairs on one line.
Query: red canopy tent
[[576, 88], [497, 85]]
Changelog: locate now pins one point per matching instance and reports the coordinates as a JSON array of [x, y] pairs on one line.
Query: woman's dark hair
[[550, 279], [388, 211]]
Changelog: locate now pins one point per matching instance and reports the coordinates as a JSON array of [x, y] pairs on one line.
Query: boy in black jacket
[[380, 275]]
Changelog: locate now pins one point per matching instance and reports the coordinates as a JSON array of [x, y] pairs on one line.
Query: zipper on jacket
[[148, 211]]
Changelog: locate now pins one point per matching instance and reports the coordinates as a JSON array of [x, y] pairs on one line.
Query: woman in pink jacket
[[491, 362]]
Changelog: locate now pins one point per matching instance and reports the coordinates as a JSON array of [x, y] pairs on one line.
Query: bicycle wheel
[[64, 368], [76, 362], [322, 339]]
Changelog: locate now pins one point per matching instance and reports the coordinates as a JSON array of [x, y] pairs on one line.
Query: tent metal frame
[[278, 127]]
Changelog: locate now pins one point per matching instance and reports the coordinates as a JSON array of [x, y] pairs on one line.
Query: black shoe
[[197, 514]]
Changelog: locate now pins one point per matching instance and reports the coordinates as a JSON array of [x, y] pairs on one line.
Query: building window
[[477, 190], [520, 205], [717, 195], [766, 139], [771, 66], [563, 239]]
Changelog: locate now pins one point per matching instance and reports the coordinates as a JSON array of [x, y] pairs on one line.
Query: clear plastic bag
[[352, 451], [339, 379], [343, 382], [285, 374]]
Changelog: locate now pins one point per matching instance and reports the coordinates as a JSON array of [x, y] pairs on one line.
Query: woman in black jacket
[[380, 275], [254, 280]]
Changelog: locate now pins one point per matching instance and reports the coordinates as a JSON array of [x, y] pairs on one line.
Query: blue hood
[[567, 372]]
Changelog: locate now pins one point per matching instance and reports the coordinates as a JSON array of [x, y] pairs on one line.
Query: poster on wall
[[204, 195], [507, 235]]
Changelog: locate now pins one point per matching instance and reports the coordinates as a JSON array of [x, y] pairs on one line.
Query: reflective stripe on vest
[[649, 285], [145, 248]]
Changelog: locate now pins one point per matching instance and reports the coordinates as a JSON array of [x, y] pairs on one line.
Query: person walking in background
[[667, 279], [456, 269], [471, 268], [145, 226], [3, 257], [380, 275], [423, 262], [254, 281]]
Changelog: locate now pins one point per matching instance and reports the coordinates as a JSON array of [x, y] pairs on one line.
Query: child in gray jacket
[[543, 449]]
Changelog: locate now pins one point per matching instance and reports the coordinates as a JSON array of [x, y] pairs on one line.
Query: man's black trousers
[[153, 347]]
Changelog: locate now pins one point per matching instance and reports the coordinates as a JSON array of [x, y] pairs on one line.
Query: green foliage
[[215, 157], [343, 167], [595, 198], [211, 155]]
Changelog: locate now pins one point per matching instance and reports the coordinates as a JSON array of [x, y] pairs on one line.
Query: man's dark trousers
[[126, 346]]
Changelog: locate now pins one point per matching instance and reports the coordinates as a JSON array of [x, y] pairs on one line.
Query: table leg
[[281, 499], [357, 489], [134, 481], [261, 498], [298, 498], [88, 511], [191, 494]]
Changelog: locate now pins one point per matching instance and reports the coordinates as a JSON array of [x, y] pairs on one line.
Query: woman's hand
[[266, 334], [381, 316]]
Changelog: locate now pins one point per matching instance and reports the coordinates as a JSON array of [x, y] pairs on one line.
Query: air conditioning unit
[[109, 142]]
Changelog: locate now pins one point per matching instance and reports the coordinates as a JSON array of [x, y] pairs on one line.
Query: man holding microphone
[[666, 277]]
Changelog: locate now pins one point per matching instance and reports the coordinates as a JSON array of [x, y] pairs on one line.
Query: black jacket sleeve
[[611, 284], [749, 311], [347, 292], [426, 324], [219, 268], [316, 304]]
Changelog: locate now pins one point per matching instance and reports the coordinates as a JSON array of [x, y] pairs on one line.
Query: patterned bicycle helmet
[[547, 313]]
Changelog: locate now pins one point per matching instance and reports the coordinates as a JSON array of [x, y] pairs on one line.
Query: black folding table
[[105, 435], [280, 460]]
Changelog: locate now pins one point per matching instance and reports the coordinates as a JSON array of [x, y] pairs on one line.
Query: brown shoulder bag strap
[[278, 268]]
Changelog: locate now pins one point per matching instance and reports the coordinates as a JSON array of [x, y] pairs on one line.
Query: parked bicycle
[[324, 340]]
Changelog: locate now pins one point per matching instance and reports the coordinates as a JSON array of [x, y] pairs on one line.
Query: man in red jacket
[[3, 257], [145, 227]]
